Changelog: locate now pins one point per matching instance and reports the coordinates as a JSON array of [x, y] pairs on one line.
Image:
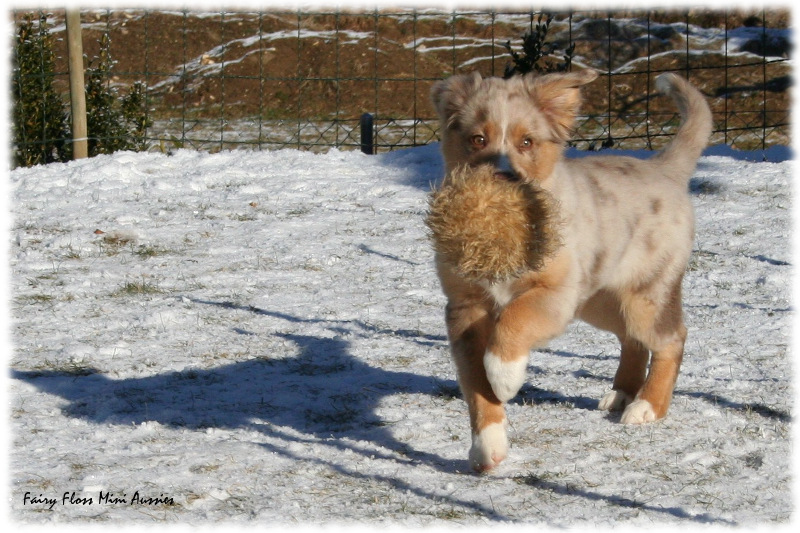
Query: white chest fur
[[501, 292]]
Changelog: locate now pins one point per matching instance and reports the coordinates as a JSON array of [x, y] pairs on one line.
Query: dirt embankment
[[285, 65]]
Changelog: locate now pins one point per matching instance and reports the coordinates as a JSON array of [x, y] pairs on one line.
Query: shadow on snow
[[323, 397]]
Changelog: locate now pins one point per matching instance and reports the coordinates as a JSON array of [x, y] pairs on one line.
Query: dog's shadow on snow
[[321, 397], [323, 394]]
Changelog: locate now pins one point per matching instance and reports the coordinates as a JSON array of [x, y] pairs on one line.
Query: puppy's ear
[[559, 97], [450, 95]]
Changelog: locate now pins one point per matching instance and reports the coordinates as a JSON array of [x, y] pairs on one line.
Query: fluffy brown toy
[[489, 228]]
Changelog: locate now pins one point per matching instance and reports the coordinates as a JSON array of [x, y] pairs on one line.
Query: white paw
[[505, 377], [614, 400], [489, 447], [638, 412]]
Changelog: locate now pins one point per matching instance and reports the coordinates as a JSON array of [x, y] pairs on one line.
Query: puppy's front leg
[[528, 321], [469, 327]]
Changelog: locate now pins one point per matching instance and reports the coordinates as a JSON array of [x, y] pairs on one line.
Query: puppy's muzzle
[[503, 169]]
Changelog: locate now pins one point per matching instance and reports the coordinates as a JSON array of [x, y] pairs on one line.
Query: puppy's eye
[[478, 141], [526, 144]]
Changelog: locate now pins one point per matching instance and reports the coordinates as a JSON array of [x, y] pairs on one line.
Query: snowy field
[[247, 338]]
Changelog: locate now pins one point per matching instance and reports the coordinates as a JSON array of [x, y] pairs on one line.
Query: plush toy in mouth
[[491, 229]]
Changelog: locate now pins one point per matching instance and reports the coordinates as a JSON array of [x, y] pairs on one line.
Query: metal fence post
[[77, 88], [367, 134]]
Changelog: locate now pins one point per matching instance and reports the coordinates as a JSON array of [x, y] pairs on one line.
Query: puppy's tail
[[681, 155]]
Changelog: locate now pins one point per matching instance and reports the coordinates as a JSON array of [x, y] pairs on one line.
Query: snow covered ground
[[258, 337]]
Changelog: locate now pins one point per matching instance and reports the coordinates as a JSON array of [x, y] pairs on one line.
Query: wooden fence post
[[77, 87]]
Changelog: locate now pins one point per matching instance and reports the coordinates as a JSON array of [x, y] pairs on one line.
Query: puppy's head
[[518, 125]]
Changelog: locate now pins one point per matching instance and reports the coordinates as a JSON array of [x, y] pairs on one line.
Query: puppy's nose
[[508, 176], [503, 169]]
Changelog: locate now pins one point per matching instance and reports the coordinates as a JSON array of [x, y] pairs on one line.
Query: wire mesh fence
[[275, 79]]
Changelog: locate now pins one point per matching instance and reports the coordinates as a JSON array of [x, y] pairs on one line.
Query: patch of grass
[[339, 418], [297, 212], [72, 253], [118, 238], [34, 299], [450, 513], [704, 186], [67, 368], [146, 252], [113, 243], [448, 392], [138, 288], [204, 468], [701, 260]]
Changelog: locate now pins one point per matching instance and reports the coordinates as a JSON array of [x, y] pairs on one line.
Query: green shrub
[[39, 116], [41, 128], [114, 122]]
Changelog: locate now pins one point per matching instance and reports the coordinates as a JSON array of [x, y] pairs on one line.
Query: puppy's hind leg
[[629, 378], [656, 320], [604, 311]]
